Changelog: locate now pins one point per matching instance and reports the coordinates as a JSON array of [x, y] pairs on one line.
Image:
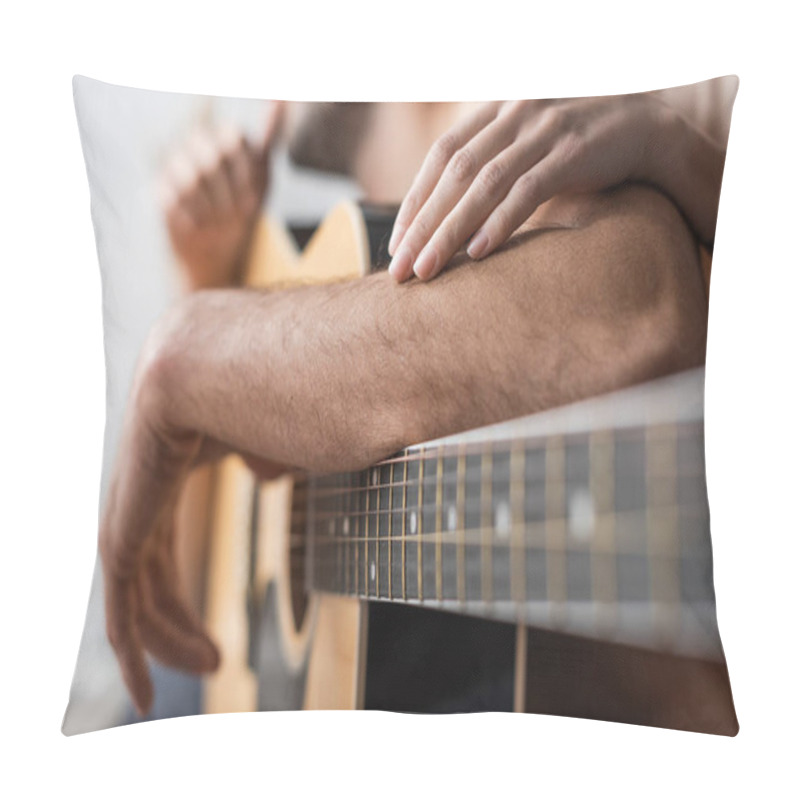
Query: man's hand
[[212, 191], [486, 176], [146, 609]]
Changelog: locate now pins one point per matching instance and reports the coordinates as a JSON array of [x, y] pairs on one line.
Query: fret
[[502, 524], [438, 516], [630, 467], [579, 521], [535, 533], [451, 534], [473, 567], [604, 574], [360, 536], [461, 523], [376, 482], [413, 542], [316, 538], [555, 532], [486, 527], [419, 525], [365, 533], [403, 529], [662, 544], [334, 544], [391, 516], [384, 514], [694, 540], [396, 527], [346, 535], [517, 552], [428, 523]]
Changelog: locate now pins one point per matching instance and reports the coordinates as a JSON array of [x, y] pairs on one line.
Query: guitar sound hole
[[297, 553]]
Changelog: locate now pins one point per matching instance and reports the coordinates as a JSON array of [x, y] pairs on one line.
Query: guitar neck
[[574, 531]]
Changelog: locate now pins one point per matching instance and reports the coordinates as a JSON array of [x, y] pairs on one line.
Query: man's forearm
[[337, 376]]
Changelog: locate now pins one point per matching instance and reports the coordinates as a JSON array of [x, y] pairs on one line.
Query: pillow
[[405, 407]]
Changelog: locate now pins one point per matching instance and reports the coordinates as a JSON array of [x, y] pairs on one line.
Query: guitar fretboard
[[585, 531]]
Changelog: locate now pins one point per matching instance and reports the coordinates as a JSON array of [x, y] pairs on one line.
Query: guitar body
[[313, 656], [297, 583]]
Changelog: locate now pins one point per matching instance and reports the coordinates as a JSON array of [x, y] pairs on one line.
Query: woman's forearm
[[687, 164]]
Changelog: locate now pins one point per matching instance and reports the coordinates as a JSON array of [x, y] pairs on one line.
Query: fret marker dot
[[451, 518], [502, 520], [375, 477], [372, 570], [346, 526], [412, 522], [580, 514]]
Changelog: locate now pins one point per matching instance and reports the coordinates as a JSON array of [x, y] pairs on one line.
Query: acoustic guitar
[[559, 563]]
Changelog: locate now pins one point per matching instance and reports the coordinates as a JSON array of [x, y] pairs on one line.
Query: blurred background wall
[[127, 136]]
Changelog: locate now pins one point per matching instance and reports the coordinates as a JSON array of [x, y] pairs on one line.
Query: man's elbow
[[669, 323]]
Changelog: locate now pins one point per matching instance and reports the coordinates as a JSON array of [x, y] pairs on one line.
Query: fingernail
[[426, 264], [401, 264], [394, 239], [477, 247]]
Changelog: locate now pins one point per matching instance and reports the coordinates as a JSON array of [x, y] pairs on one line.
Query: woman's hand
[[212, 191], [489, 173]]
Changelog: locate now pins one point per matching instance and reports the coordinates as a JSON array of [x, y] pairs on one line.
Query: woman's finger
[[474, 158], [487, 191], [434, 165], [534, 187]]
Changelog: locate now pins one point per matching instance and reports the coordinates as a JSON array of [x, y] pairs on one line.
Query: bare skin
[[337, 376], [211, 194], [592, 292], [490, 171]]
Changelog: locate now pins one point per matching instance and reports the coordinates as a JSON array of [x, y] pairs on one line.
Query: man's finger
[[191, 192], [179, 222], [164, 589], [143, 493], [212, 173], [434, 165], [121, 611], [172, 644], [240, 169], [172, 647]]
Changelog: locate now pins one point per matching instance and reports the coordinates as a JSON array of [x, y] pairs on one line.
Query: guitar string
[[541, 480], [667, 432], [298, 538]]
